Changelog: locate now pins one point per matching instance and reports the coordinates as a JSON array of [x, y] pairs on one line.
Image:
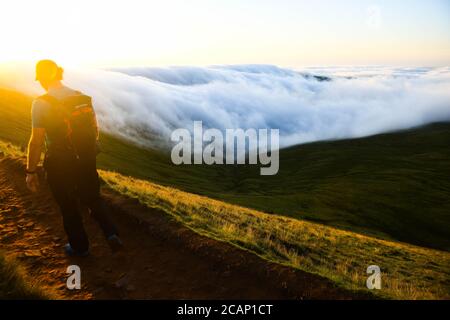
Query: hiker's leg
[[89, 192], [73, 225], [64, 191], [100, 213]]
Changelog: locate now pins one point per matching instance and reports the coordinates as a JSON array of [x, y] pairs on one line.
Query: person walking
[[65, 120]]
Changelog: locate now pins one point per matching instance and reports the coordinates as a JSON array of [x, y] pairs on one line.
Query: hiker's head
[[48, 73]]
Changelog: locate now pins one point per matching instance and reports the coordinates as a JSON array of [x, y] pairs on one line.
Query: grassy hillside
[[393, 186], [408, 272]]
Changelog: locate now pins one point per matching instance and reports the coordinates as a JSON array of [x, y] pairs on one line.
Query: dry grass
[[408, 272], [9, 149], [14, 284]]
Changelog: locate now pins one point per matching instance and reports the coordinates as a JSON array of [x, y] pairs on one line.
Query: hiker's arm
[[35, 148]]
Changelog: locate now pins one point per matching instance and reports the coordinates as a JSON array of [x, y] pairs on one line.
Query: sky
[[289, 33]]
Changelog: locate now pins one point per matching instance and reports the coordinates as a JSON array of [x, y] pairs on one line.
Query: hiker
[[66, 120]]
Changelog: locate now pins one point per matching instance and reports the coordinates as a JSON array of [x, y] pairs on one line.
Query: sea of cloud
[[145, 105]]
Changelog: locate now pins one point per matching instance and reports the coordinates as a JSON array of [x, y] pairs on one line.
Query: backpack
[[71, 127]]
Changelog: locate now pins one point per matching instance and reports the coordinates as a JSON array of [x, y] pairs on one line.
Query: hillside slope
[[409, 271], [162, 259], [158, 244], [392, 186]]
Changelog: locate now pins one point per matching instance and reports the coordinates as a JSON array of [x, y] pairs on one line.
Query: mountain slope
[[161, 259], [409, 271], [156, 245], [393, 186]]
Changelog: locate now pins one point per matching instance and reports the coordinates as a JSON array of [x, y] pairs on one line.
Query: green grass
[[393, 186], [14, 284], [408, 272]]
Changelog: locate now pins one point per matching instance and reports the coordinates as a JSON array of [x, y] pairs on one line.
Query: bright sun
[[74, 32], [33, 29]]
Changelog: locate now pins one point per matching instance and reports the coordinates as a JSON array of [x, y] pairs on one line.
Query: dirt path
[[162, 260]]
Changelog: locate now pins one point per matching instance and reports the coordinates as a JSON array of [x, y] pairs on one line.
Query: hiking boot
[[71, 252], [115, 243]]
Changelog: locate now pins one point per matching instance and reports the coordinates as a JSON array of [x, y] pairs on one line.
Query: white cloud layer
[[147, 104]]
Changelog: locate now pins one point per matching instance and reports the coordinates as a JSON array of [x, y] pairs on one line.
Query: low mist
[[145, 105]]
